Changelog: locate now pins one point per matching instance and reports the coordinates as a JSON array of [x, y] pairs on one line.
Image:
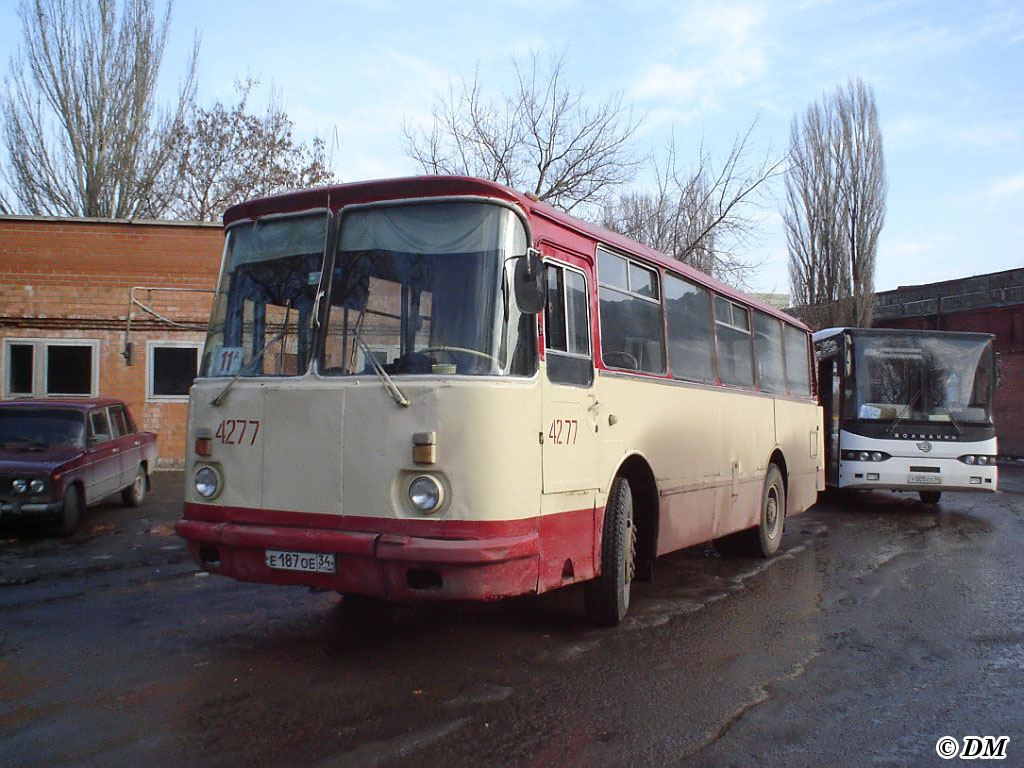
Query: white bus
[[439, 388], [908, 410]]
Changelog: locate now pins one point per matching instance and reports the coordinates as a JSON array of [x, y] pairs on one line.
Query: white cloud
[[1007, 187], [722, 48]]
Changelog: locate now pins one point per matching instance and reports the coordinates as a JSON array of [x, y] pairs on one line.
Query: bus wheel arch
[[780, 462]]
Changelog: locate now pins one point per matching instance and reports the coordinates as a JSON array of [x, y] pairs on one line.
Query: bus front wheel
[[607, 595]]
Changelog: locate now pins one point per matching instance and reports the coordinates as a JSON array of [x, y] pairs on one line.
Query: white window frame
[[40, 361], [151, 346]]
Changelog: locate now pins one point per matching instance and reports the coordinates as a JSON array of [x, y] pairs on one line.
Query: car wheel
[[70, 511], [607, 596], [133, 495]]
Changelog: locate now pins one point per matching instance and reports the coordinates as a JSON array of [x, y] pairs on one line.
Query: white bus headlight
[[207, 482], [425, 494]]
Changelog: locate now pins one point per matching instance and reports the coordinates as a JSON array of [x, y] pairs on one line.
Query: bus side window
[[632, 328], [735, 354], [567, 325], [771, 373], [691, 350], [798, 368]]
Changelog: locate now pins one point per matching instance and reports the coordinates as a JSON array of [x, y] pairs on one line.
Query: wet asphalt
[[882, 626]]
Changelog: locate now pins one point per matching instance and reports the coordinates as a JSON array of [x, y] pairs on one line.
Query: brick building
[[112, 308], [992, 303]]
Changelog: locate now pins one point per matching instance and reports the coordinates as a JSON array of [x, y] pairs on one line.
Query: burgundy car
[[58, 456]]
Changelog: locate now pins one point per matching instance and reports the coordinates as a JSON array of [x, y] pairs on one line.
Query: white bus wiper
[[389, 384]]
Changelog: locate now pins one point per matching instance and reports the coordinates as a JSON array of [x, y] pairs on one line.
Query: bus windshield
[[922, 378], [425, 288], [260, 324]]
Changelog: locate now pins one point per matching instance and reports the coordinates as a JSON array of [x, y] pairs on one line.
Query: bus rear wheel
[[930, 497], [606, 596], [764, 540]]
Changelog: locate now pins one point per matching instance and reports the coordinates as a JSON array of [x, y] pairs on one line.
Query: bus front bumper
[[392, 565], [902, 474]]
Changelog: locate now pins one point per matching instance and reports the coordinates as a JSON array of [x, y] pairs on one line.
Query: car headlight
[[37, 486], [207, 482], [20, 485], [425, 494]]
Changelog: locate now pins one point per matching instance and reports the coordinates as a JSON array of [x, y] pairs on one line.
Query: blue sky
[[948, 79]]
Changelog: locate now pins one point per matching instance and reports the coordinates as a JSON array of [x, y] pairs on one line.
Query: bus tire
[[606, 596], [930, 497], [773, 513], [764, 539]]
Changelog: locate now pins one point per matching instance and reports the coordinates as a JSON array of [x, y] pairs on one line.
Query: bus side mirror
[[530, 287], [999, 371]]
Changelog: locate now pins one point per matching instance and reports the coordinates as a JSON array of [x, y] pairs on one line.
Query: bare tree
[[701, 216], [226, 155], [542, 138], [835, 195], [82, 131]]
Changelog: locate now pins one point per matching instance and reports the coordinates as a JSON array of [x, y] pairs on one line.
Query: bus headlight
[[425, 494], [976, 459], [865, 456], [207, 482]]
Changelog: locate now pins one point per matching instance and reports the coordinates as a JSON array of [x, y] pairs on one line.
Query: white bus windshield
[[266, 296], [425, 289], [922, 379]]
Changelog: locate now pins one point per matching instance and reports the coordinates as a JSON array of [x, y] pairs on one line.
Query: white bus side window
[[632, 328], [567, 324], [771, 372], [735, 353], [691, 348], [798, 369]]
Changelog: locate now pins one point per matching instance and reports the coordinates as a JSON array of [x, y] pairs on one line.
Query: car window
[[99, 428], [118, 421]]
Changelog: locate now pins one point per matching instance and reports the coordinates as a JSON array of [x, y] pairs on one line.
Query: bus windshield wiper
[[389, 384], [952, 418], [255, 359], [906, 411]]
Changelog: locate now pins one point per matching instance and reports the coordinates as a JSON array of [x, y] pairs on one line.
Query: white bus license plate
[[311, 562], [925, 479]]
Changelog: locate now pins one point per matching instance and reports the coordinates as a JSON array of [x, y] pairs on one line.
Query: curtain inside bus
[[423, 287]]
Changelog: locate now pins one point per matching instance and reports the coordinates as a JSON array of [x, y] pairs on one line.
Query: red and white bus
[[439, 388]]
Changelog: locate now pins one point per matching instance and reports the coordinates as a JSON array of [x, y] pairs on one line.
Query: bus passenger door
[[570, 408]]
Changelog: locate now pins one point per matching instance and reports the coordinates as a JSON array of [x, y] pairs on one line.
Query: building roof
[[996, 289]]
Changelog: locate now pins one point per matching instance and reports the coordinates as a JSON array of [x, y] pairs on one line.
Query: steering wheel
[[464, 350]]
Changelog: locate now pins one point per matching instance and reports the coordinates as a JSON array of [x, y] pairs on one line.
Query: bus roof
[[416, 187]]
